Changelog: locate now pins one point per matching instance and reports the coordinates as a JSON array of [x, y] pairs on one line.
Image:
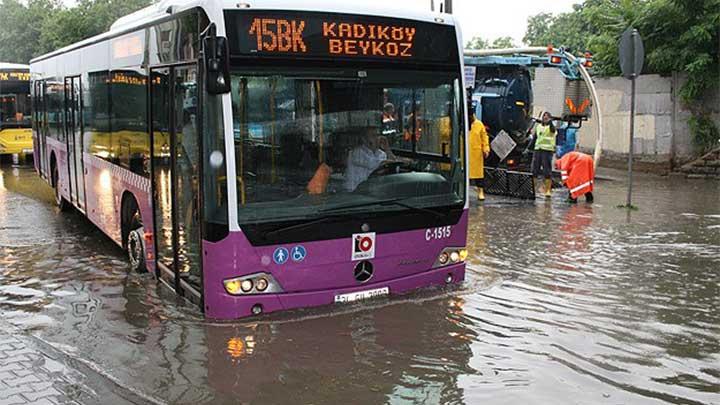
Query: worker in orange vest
[[578, 174]]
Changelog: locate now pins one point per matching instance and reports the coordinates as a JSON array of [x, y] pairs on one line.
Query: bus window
[[423, 114], [130, 140], [96, 104]]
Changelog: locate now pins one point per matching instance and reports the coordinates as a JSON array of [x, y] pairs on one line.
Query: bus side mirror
[[217, 65]]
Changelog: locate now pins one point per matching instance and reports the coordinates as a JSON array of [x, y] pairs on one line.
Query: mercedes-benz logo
[[363, 271], [365, 227]]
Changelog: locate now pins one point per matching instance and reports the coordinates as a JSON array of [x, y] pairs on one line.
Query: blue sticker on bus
[[299, 253], [281, 255]]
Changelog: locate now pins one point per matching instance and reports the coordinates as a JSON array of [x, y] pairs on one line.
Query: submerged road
[[563, 304]]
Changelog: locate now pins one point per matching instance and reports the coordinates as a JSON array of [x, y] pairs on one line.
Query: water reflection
[[367, 356], [562, 304]]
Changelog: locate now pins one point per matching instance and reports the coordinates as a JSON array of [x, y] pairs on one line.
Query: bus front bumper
[[232, 307]]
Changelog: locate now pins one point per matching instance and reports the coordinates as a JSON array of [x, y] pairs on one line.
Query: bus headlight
[[246, 286], [450, 256], [232, 286], [259, 283]]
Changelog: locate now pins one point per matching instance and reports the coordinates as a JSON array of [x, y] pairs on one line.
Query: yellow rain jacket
[[479, 145]]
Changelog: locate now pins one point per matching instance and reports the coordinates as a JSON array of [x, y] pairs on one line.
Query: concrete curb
[[33, 371]]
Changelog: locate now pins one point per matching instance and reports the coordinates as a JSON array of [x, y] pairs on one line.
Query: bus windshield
[[308, 145], [15, 104]]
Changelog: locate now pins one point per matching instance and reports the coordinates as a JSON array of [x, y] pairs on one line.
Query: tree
[[503, 42], [21, 27], [570, 30], [477, 43], [39, 26], [684, 36], [88, 18], [538, 29], [498, 43]]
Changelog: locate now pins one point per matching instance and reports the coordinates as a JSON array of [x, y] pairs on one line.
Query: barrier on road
[[509, 183]]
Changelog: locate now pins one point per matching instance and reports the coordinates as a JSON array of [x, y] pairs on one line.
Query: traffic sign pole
[[632, 59], [631, 150]]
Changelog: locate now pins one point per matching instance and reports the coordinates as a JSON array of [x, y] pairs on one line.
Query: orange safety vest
[[578, 173]]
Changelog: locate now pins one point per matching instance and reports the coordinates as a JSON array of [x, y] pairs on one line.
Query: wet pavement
[[563, 304]]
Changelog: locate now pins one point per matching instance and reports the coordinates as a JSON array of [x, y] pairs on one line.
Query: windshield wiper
[[301, 225], [358, 205], [392, 201]]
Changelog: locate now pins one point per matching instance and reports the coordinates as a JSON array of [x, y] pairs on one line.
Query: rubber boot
[[548, 188], [589, 198], [481, 193]]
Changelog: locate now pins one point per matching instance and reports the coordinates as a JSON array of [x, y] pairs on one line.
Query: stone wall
[[662, 135]]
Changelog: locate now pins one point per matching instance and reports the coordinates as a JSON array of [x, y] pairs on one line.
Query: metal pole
[[448, 6], [631, 149], [632, 146]]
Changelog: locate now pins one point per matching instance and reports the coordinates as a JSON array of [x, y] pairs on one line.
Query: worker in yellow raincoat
[[478, 151]]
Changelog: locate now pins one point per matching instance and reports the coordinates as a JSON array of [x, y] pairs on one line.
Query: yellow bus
[[15, 125]]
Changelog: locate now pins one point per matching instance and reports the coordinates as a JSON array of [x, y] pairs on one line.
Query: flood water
[[563, 304]]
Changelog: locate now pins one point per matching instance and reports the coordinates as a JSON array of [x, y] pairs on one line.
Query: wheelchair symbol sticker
[[281, 255], [299, 253]]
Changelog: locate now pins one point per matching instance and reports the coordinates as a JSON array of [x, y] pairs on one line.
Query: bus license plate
[[362, 295]]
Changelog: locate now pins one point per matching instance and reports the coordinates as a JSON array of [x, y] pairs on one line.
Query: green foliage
[[570, 30], [498, 43], [477, 43], [21, 26], [679, 36], [539, 29], [503, 42], [32, 28], [706, 135]]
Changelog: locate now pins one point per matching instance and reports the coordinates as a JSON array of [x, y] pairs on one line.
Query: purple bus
[[259, 157]]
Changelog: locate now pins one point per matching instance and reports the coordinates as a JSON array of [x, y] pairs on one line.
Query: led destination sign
[[316, 35], [14, 76]]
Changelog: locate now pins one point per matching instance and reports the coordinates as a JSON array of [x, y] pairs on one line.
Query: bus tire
[[59, 199], [136, 250], [133, 233]]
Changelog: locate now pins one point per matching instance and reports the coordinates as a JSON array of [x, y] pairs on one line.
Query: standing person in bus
[[414, 122], [365, 158], [479, 150], [545, 133], [388, 118], [578, 174]]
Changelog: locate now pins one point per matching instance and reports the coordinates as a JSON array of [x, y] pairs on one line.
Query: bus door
[[176, 175], [40, 124], [73, 132]]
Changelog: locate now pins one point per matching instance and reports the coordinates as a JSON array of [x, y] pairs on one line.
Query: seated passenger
[[365, 158]]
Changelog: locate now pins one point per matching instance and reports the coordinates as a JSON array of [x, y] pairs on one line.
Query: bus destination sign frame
[[327, 35]]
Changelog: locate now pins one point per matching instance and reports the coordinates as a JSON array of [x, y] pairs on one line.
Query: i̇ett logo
[[363, 246]]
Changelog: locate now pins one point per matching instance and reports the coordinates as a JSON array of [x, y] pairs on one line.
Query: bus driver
[[365, 158]]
